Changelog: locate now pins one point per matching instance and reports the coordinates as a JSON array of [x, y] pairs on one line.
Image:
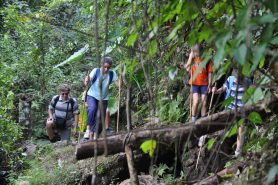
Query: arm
[[189, 61], [209, 81], [218, 91], [50, 114]]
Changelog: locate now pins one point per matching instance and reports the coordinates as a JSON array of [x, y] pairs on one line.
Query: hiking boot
[[87, 134], [109, 131], [202, 140]]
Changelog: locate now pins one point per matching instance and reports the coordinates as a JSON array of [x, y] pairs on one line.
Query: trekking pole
[[119, 102], [83, 109], [210, 104], [199, 153], [191, 93]]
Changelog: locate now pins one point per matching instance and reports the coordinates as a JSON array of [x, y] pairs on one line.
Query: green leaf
[[246, 70], [131, 39], [240, 53], [242, 17], [255, 118], [172, 73], [113, 105], [274, 41], [268, 18], [173, 33], [149, 147], [262, 62], [228, 164], [210, 143], [248, 93], [232, 131], [258, 54], [153, 48], [227, 102], [76, 56], [272, 174]]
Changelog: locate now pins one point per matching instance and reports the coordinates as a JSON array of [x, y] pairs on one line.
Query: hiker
[[201, 84], [63, 113], [235, 87], [94, 96]]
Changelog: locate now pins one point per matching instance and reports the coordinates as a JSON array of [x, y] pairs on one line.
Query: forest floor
[[48, 163]]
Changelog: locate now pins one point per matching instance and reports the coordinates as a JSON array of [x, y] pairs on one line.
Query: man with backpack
[[235, 87], [99, 80], [63, 113]]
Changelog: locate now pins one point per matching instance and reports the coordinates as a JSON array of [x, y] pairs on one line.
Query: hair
[[107, 60], [63, 87], [196, 48]]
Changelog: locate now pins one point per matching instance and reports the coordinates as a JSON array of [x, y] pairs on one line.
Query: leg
[[107, 118], [91, 110], [204, 95], [195, 106], [98, 127], [49, 129], [65, 133]]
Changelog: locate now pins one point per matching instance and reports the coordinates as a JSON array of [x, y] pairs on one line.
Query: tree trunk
[[24, 119], [128, 111], [207, 125], [130, 161]]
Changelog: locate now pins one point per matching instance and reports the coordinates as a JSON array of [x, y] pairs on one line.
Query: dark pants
[[94, 113]]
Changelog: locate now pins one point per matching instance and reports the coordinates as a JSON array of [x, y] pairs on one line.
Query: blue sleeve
[[93, 73]]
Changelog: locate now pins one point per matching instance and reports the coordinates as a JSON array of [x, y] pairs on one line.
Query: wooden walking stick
[[83, 108], [119, 102], [191, 94], [199, 153], [210, 104]]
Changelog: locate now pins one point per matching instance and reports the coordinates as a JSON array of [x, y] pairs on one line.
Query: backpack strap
[[71, 101], [96, 76], [111, 74], [56, 99]]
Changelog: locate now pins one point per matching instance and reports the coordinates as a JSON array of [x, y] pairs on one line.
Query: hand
[[213, 90], [86, 80], [209, 89], [75, 133]]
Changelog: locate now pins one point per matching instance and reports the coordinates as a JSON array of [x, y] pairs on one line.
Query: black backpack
[[61, 123]]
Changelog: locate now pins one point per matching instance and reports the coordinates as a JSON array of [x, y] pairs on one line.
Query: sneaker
[[87, 134], [109, 131], [237, 152], [202, 140]]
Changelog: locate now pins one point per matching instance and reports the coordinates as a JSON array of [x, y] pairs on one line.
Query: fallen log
[[217, 178], [207, 125]]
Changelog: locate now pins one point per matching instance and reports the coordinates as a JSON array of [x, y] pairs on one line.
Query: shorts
[[200, 89]]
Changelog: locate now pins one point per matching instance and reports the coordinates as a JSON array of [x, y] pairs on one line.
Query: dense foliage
[[44, 43]]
